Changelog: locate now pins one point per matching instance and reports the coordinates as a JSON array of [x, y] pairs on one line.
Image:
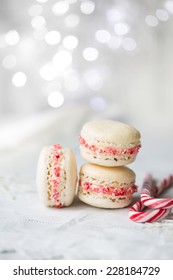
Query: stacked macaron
[[108, 146]]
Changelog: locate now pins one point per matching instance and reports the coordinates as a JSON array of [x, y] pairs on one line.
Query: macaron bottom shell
[[104, 201]]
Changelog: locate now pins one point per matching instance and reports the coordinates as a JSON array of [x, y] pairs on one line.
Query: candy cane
[[136, 214], [150, 189]]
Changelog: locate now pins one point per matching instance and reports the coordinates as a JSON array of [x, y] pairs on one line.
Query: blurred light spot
[[35, 10], [102, 36], [93, 79], [162, 15], [38, 22], [114, 15], [87, 7], [129, 44], [9, 61], [70, 42], [72, 20], [40, 34], [42, 1], [151, 20], [55, 99], [90, 54], [53, 86], [12, 37], [2, 41], [115, 42], [71, 80], [60, 8], [121, 28], [169, 6], [19, 79], [53, 37], [47, 72], [61, 60], [98, 104]]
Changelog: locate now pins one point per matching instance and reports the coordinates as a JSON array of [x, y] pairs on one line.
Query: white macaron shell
[[118, 176], [109, 133], [71, 176], [41, 176]]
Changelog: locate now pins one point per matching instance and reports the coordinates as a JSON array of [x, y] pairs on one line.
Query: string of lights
[[59, 53]]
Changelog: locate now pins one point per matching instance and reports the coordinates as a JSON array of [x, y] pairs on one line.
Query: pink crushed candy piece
[[87, 186], [57, 171], [109, 150], [57, 147]]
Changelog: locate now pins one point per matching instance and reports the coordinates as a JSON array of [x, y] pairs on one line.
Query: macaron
[[109, 143], [56, 176], [106, 187]]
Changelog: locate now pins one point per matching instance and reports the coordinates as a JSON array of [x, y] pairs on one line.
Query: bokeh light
[[72, 20], [70, 42], [38, 22], [19, 79], [90, 54], [60, 8], [121, 28], [169, 6], [129, 44], [102, 36], [151, 20], [53, 37], [55, 99], [9, 61], [61, 60], [12, 37], [114, 15], [162, 15], [47, 72], [87, 7]]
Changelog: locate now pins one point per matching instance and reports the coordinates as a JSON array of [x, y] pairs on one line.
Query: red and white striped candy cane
[[150, 190], [136, 214]]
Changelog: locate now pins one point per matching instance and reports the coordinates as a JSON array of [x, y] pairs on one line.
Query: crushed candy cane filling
[[54, 180], [109, 150], [113, 191]]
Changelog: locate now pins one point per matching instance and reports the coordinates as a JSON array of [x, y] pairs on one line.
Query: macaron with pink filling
[[109, 143], [56, 176], [106, 187]]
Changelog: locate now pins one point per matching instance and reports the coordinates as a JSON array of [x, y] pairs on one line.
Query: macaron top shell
[[119, 176], [110, 133]]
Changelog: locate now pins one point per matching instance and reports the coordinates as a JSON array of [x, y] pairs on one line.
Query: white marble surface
[[28, 230]]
